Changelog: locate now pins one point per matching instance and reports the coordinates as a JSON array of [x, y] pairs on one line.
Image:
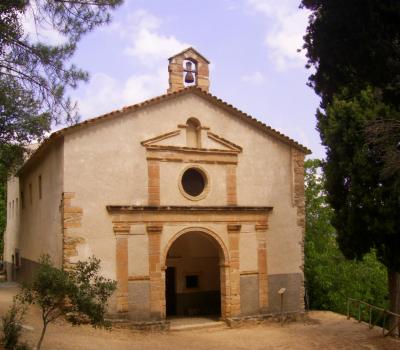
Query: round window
[[194, 182]]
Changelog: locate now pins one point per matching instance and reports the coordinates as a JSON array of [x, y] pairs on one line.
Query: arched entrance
[[194, 263]]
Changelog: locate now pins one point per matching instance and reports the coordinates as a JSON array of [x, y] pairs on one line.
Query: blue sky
[[252, 46]]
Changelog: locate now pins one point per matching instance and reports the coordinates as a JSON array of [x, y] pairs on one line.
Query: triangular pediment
[[177, 139]]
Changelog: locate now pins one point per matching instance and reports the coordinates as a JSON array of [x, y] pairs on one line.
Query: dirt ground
[[322, 330]]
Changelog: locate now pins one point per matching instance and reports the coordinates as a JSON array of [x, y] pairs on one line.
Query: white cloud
[[40, 31], [141, 31], [104, 94], [287, 25], [253, 78], [231, 5]]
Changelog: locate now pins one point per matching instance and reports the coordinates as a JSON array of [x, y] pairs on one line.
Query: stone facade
[[71, 221], [191, 205]]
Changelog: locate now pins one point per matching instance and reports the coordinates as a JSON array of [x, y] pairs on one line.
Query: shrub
[[11, 326]]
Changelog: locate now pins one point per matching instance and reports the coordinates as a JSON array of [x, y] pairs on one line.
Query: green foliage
[[36, 75], [12, 327], [41, 70], [330, 277], [365, 203], [79, 295], [354, 47], [354, 44]]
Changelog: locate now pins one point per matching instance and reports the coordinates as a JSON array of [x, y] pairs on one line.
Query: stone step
[[195, 326]]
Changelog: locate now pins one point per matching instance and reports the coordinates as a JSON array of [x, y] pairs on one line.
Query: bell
[[189, 77]]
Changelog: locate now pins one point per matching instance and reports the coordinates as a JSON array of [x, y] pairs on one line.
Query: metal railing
[[383, 316]]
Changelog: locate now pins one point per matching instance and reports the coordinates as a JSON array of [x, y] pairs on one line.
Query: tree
[[330, 277], [38, 69], [353, 44], [80, 294], [384, 137], [35, 76], [354, 47]]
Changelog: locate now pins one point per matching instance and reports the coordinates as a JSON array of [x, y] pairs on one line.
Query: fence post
[[348, 308], [370, 316], [384, 322], [359, 312]]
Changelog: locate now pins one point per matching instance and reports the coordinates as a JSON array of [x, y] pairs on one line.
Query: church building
[[193, 206]]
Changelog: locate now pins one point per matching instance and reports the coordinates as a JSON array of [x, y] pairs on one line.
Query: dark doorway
[[170, 291], [192, 277]]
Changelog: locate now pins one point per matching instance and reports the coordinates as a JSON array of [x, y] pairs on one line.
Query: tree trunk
[[394, 297], [39, 344]]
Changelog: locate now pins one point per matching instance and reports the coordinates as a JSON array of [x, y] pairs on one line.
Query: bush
[[79, 295], [330, 277], [11, 326]]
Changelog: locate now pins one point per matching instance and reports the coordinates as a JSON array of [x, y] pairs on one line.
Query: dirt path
[[324, 330]]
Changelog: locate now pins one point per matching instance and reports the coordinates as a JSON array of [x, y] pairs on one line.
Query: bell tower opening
[[188, 68], [192, 277], [189, 73]]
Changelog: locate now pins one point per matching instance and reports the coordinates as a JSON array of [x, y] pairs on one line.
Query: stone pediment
[[176, 139]]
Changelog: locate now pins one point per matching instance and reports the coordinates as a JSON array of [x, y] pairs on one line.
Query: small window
[[193, 182], [192, 281], [13, 213], [16, 206], [22, 200], [30, 194], [40, 186], [193, 133]]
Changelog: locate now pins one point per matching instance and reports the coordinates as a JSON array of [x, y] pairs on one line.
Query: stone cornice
[[129, 214], [175, 208]]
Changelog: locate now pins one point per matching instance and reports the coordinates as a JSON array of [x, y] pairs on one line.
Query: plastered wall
[[34, 226], [13, 216], [111, 166]]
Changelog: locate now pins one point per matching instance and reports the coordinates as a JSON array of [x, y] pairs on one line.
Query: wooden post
[[281, 292]]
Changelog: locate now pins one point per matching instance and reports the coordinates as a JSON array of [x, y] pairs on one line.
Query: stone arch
[[218, 240], [224, 261]]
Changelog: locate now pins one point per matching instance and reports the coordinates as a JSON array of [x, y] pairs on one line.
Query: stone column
[[121, 235], [156, 274], [233, 238], [261, 230]]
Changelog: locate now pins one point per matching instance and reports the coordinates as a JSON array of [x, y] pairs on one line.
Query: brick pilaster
[[156, 274], [233, 238], [121, 235], [231, 197], [153, 168], [261, 230], [225, 290]]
